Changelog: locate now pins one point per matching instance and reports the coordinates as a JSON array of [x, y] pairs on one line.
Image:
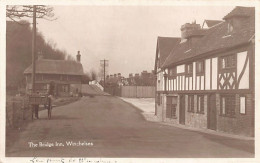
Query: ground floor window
[[190, 103], [242, 105], [171, 104], [228, 105], [158, 99], [200, 104]]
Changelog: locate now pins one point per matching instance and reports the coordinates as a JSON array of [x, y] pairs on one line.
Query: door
[[182, 110], [212, 114]]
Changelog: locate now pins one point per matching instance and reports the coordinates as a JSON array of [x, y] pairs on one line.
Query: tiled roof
[[240, 11], [165, 46], [47, 66], [215, 38]]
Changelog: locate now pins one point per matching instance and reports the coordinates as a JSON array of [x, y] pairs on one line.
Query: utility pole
[[104, 63], [33, 48]]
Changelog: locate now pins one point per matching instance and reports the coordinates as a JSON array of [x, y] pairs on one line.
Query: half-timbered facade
[[207, 79], [66, 75]]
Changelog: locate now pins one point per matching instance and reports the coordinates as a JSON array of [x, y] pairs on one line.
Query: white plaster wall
[[194, 75], [198, 83], [190, 83], [207, 74], [241, 58], [214, 73], [181, 69], [187, 83], [202, 82]]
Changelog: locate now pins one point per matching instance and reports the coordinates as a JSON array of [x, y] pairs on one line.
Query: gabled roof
[[240, 11], [211, 23], [164, 47], [215, 38], [47, 66]]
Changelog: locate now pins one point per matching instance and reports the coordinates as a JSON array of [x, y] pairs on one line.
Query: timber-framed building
[[205, 79]]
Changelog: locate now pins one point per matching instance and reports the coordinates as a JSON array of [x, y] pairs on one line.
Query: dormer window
[[230, 27]]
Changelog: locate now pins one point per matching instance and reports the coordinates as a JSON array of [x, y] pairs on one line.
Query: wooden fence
[[132, 91]]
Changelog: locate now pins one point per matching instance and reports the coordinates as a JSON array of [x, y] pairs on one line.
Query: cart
[[36, 99]]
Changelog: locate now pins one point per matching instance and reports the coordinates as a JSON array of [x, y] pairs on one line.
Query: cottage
[[66, 75], [206, 79]]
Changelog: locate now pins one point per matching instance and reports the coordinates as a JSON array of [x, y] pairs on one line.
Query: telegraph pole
[[104, 63], [33, 48]]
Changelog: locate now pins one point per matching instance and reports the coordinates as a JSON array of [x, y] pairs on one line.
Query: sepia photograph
[[129, 81]]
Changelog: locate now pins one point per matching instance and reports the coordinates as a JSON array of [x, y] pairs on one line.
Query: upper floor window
[[228, 61], [189, 69], [200, 67], [172, 71], [230, 27]]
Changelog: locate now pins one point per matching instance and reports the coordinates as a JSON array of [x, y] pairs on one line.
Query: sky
[[124, 35]]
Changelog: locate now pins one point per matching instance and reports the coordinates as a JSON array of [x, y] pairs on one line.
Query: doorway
[[212, 113]]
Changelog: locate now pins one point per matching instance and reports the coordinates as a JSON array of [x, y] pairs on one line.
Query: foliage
[[19, 52]]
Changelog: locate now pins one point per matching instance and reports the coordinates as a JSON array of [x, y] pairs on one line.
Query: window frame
[[191, 103], [240, 104], [228, 107], [172, 72], [229, 62], [202, 62], [189, 73], [201, 104]]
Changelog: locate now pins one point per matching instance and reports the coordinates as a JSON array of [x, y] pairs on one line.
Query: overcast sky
[[124, 35]]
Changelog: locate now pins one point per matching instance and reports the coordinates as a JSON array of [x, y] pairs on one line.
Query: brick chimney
[[78, 56], [189, 30]]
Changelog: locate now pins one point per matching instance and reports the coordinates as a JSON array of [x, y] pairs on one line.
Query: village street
[[114, 128]]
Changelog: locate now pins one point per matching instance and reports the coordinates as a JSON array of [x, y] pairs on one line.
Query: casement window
[[242, 108], [199, 67], [228, 105], [228, 61], [190, 103], [230, 27], [171, 104], [172, 72], [200, 104], [189, 69]]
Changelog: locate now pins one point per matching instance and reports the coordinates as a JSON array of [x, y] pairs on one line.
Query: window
[[190, 103], [230, 27], [189, 69], [200, 104], [243, 105], [228, 105], [172, 72], [171, 103], [228, 62], [200, 67]]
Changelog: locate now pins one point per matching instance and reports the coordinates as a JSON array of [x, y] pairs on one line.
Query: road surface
[[106, 126]]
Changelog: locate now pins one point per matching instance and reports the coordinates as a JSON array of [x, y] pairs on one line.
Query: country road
[[106, 126]]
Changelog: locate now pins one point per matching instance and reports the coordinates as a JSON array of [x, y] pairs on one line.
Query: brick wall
[[195, 119], [241, 124]]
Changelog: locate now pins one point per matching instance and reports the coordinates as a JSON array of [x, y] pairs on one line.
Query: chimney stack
[[78, 56]]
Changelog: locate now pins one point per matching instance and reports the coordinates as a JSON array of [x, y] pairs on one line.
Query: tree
[[15, 12], [85, 78], [93, 75]]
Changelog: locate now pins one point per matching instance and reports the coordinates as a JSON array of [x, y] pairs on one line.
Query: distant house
[[205, 79], [66, 75]]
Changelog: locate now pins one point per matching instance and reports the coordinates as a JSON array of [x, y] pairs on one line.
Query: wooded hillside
[[19, 52]]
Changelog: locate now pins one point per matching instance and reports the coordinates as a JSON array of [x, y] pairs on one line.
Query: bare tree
[[29, 11], [15, 12]]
